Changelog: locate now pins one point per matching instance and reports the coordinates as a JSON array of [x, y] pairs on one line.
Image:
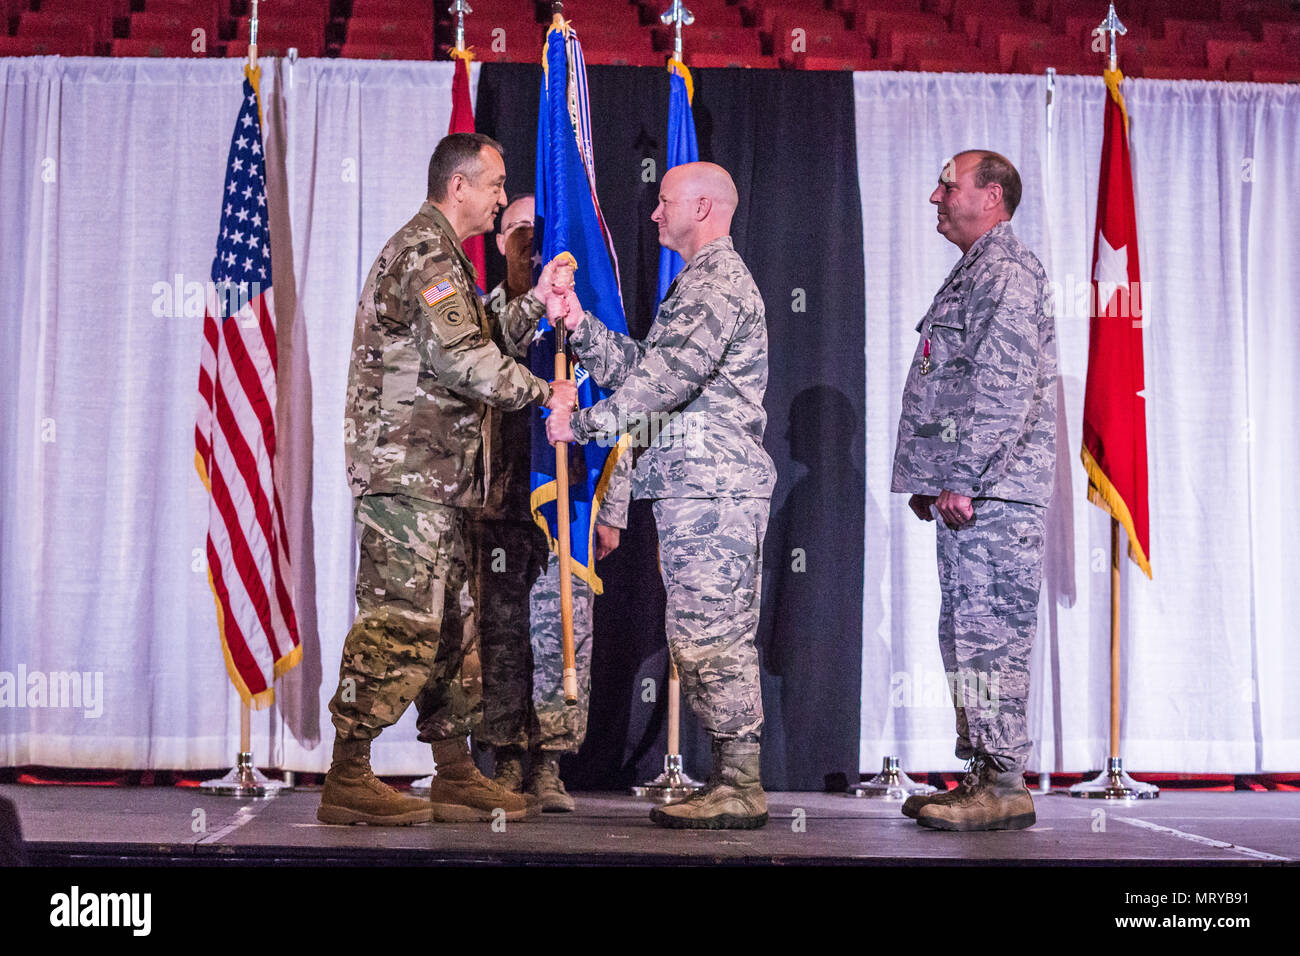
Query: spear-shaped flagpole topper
[[1112, 26], [460, 8], [252, 37], [677, 17]]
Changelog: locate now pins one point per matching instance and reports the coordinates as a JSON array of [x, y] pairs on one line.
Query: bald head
[[696, 203]]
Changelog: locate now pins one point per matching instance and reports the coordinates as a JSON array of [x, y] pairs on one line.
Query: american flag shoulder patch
[[435, 293]]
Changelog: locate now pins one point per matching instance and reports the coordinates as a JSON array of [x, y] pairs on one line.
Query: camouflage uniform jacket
[[424, 368], [512, 431], [982, 422], [704, 357]]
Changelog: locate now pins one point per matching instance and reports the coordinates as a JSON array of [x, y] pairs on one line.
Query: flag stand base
[[673, 784], [244, 780], [1114, 784], [890, 784]]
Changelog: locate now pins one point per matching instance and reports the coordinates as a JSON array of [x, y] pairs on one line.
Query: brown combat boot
[[913, 804], [509, 768], [733, 800], [458, 793], [998, 801], [353, 794], [545, 783]]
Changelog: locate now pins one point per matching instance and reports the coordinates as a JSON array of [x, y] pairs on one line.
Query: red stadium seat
[[402, 10], [410, 33], [1191, 35], [969, 61], [55, 24], [736, 39], [307, 33], [622, 56], [170, 25], [503, 41], [381, 51], [1181, 73], [984, 31], [897, 44], [1159, 52], [705, 61], [157, 46], [874, 23], [999, 9], [854, 10], [1276, 74], [1013, 47], [1219, 52], [1284, 34], [272, 47], [1033, 54], [47, 46], [846, 62]]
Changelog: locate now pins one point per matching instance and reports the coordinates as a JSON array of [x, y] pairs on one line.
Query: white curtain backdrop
[[1208, 656], [102, 518]]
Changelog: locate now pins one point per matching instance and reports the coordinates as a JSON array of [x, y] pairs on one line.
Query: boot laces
[[974, 771]]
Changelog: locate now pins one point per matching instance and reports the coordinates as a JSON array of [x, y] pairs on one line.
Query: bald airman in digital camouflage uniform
[[977, 447], [704, 361], [424, 370]]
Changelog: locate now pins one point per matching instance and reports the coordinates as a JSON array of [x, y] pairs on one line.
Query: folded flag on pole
[[247, 545], [1114, 410], [569, 220], [682, 148], [462, 121]]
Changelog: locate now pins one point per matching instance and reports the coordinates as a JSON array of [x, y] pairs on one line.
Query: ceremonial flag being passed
[[247, 545], [1114, 410], [462, 121], [569, 220], [682, 148]]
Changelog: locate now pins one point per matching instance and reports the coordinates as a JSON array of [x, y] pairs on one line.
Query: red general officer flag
[[1114, 410], [462, 121]]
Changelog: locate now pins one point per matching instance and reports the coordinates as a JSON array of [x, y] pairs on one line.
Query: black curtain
[[788, 140]]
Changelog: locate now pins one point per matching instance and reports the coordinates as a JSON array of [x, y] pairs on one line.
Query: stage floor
[[173, 825]]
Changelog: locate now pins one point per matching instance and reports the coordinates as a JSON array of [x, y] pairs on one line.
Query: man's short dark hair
[[996, 168], [457, 153]]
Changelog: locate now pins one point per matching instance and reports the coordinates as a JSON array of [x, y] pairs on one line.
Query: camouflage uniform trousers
[[520, 642], [989, 575], [411, 634], [559, 726], [710, 553]]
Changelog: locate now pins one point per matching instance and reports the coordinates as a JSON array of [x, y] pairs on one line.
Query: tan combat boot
[[998, 801], [353, 794], [546, 784], [733, 800], [913, 804], [509, 768], [458, 793]]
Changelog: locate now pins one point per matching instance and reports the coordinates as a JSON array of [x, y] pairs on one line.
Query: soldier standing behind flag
[[524, 713], [704, 360], [977, 443], [423, 371]]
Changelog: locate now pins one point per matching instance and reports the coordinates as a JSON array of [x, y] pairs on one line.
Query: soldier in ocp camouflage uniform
[[705, 358], [519, 584], [423, 371], [977, 446]]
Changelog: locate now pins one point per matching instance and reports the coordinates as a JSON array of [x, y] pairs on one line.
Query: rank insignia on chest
[[435, 293]]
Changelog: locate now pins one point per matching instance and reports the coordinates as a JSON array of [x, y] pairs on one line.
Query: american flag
[[247, 547]]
